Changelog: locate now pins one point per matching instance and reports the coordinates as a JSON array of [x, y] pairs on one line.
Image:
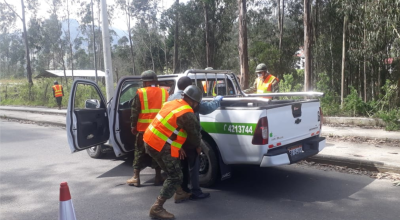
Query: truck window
[[169, 85], [85, 92], [128, 92], [211, 88]]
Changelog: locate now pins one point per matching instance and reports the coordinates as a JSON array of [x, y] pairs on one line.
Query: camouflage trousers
[[171, 165], [142, 160]]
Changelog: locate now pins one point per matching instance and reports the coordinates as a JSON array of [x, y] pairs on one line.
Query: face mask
[[259, 75]]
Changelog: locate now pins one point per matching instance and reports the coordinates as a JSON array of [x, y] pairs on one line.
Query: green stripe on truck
[[229, 128]]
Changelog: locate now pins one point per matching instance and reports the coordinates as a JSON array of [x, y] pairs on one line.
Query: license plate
[[296, 150]]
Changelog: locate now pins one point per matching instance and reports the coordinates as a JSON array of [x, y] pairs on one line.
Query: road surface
[[34, 160]]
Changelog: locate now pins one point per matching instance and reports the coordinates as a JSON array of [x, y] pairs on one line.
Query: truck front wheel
[[95, 152], [208, 172]]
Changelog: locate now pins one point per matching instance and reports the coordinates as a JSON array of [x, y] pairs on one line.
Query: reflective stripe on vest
[[57, 90], [266, 85], [164, 126], [150, 110], [205, 88]]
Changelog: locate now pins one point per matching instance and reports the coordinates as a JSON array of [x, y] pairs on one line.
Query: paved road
[[34, 160]]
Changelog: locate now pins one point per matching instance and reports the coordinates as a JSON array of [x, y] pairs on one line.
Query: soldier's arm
[[275, 85], [191, 125], [135, 110], [208, 107], [252, 89]]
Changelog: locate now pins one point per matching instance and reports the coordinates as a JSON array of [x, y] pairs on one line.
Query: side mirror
[[92, 103]]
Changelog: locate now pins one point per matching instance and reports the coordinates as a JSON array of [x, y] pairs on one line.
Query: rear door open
[[121, 138]]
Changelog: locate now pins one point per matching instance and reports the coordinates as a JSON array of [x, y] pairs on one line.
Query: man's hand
[[182, 154], [219, 98], [134, 131], [198, 149]]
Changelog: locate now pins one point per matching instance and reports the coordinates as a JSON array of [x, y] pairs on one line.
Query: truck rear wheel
[[208, 172], [95, 152]]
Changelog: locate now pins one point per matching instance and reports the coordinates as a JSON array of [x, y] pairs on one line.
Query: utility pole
[[107, 52], [94, 45]]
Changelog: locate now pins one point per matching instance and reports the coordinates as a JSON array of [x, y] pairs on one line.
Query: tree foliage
[[371, 54]]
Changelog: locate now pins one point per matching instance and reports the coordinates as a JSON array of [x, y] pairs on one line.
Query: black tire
[[95, 152], [209, 167]]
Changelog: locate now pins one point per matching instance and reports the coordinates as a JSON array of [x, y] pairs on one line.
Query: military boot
[[159, 179], [157, 211], [181, 195], [135, 180]]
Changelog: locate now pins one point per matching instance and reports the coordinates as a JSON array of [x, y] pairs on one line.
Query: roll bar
[[233, 77]]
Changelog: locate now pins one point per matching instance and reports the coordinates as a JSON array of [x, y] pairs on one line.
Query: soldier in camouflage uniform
[[141, 159], [264, 79], [172, 165]]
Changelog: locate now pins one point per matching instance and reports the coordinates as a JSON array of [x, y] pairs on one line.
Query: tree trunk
[[279, 23], [281, 17], [359, 80], [372, 84], [365, 69], [243, 53], [70, 47], [307, 45], [176, 40], [207, 35], [94, 46], [332, 63], [116, 73], [131, 48], [343, 61], [25, 36]]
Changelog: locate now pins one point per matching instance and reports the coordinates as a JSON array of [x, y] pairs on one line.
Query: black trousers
[[59, 100], [190, 170]]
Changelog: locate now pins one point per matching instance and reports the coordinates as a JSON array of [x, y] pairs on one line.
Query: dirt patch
[[364, 140], [394, 177], [354, 126]]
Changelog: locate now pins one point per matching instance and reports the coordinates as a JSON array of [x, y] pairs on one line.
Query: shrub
[[391, 118]]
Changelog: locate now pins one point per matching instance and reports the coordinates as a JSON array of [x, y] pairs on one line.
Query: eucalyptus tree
[[243, 50], [32, 4], [135, 10]]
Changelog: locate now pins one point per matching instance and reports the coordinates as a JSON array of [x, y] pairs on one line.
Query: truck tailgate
[[293, 122]]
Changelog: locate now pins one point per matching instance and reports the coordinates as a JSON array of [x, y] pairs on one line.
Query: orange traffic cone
[[66, 211]]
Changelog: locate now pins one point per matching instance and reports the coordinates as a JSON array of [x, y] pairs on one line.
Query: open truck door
[[121, 138], [87, 122]]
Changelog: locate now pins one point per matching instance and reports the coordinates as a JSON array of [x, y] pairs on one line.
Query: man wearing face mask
[[265, 82], [174, 125], [191, 163]]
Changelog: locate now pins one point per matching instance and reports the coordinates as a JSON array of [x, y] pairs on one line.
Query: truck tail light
[[321, 118], [261, 133]]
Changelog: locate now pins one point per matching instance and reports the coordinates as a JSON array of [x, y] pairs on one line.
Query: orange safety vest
[[266, 85], [57, 90], [205, 88], [149, 109], [164, 126]]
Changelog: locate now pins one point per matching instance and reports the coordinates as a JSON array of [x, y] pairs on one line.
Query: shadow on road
[[291, 183]]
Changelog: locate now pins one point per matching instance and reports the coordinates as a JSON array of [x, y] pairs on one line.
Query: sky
[[44, 7]]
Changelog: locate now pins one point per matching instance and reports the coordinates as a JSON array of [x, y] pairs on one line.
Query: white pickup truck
[[245, 129]]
